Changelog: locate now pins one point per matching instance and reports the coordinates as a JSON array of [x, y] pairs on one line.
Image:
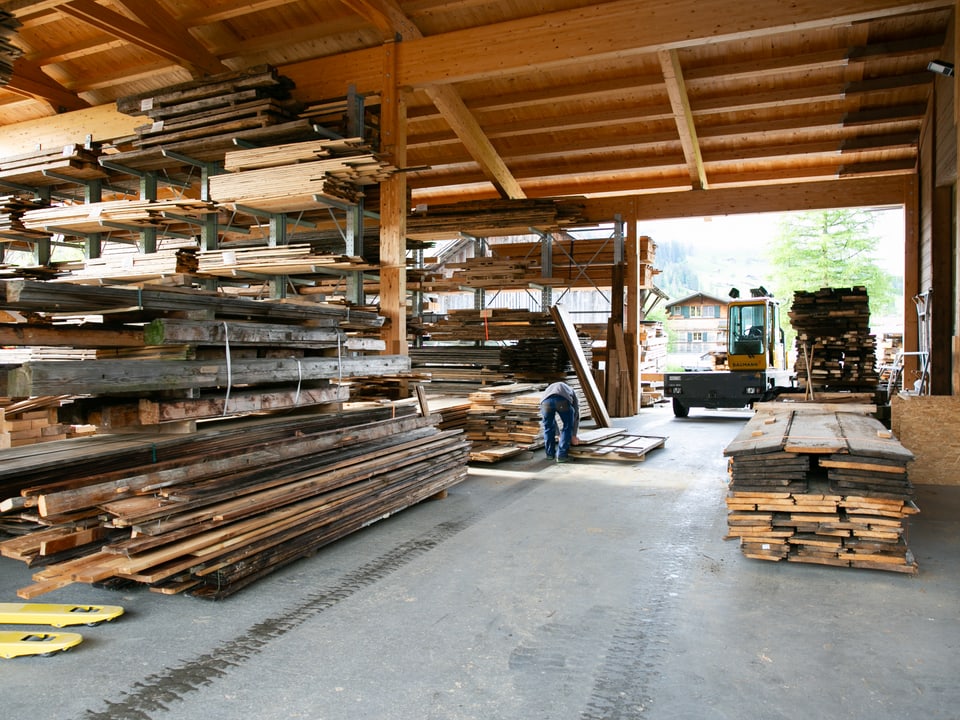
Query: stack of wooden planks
[[459, 369], [820, 483], [835, 349], [495, 324], [295, 259], [486, 218], [290, 177], [12, 208], [8, 51], [130, 267], [581, 263], [31, 421], [114, 215], [211, 512], [211, 108], [504, 421], [241, 356], [53, 166]]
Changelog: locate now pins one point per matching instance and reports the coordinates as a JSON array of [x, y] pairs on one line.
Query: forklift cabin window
[[747, 329]]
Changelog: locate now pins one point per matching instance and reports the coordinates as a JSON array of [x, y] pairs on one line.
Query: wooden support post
[[634, 312], [393, 208]]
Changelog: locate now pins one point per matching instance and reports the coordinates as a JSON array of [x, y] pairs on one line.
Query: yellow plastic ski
[[14, 643], [57, 615]]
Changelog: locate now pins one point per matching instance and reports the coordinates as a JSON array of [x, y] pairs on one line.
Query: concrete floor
[[534, 591]]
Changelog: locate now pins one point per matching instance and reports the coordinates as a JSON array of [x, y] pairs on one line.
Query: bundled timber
[[134, 215], [824, 484], [129, 267], [51, 299], [247, 356], [495, 324], [8, 51], [203, 118], [504, 421], [53, 166], [486, 218], [835, 349], [295, 259], [459, 369], [110, 377], [12, 209], [337, 171], [216, 511], [581, 263]]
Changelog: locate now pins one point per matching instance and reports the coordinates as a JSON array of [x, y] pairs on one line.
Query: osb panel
[[929, 426]]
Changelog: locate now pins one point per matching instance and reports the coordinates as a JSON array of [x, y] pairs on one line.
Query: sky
[[751, 229]]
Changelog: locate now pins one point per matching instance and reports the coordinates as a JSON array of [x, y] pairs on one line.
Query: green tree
[[831, 248]]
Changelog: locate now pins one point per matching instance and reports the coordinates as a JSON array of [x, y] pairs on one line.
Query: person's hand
[[575, 440]]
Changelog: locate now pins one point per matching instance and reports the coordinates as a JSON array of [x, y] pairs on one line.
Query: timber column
[[393, 208]]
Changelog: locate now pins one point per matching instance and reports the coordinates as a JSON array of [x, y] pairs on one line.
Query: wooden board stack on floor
[[834, 346], [823, 484], [210, 512]]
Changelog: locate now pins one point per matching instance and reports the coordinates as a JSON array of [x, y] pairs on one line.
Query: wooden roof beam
[[30, 81], [173, 41], [677, 91], [583, 35], [389, 18]]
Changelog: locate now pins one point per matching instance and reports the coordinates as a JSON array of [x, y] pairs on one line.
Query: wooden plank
[[568, 333], [868, 437], [624, 446], [760, 436], [109, 377], [815, 434]]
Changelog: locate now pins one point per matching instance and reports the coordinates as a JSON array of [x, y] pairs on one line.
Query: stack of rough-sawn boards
[[820, 483], [211, 511]]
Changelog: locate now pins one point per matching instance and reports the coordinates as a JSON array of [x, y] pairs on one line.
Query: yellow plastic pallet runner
[[57, 615], [15, 643]]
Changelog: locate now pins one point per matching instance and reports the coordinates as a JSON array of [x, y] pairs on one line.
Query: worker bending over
[[559, 399]]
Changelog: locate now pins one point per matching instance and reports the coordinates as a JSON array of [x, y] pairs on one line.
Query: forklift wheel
[[679, 409]]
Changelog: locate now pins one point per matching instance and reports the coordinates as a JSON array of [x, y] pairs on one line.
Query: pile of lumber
[[835, 349], [486, 218], [820, 483], [53, 166], [504, 421], [8, 51], [581, 263], [12, 208], [129, 267], [459, 369], [540, 358], [203, 118], [495, 324], [294, 259], [293, 176], [130, 215], [245, 356], [31, 421], [213, 511]]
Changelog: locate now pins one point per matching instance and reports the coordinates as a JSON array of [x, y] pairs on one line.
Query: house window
[[696, 337], [696, 311]]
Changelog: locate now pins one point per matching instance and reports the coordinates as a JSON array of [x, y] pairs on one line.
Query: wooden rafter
[[172, 42], [29, 80], [389, 18], [680, 101]]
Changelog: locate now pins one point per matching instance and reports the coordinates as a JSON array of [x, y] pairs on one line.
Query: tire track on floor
[[157, 692]]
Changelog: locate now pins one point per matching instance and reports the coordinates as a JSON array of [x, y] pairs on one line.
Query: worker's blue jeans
[[550, 408]]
